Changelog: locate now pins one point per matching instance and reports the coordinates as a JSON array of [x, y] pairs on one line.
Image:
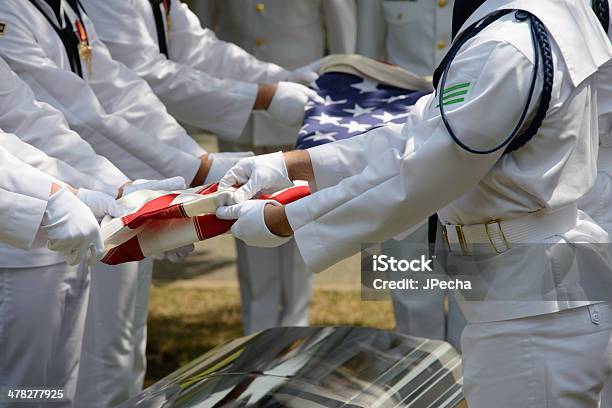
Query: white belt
[[499, 234]]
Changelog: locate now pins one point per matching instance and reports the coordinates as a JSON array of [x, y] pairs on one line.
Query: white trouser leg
[[115, 334], [259, 279], [42, 317], [420, 313], [597, 204], [557, 360], [296, 283]]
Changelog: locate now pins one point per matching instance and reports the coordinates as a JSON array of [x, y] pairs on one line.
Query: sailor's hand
[[306, 74], [169, 184], [222, 163], [260, 174], [289, 102], [101, 204], [250, 226]]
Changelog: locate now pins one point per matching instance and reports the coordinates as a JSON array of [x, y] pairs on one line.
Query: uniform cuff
[[187, 168], [327, 168], [21, 224]]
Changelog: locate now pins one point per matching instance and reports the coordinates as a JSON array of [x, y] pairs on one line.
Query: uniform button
[[442, 3], [441, 45], [260, 7], [400, 16], [259, 42]]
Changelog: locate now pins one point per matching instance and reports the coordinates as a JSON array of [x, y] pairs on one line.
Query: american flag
[[353, 105], [166, 220]]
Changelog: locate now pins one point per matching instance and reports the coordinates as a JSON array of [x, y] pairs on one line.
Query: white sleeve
[[371, 29], [132, 150], [340, 25], [190, 95], [122, 92], [46, 142], [421, 170], [24, 192]]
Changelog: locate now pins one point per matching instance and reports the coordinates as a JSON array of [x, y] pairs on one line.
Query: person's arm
[[340, 25], [371, 29], [129, 148], [24, 192], [41, 137], [402, 186]]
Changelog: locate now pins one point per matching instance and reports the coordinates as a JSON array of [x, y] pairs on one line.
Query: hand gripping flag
[[164, 220], [360, 94]]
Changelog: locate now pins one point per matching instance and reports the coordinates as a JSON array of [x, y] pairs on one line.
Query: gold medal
[[85, 50]]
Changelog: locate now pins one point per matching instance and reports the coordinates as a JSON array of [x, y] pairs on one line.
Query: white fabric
[[412, 34], [42, 317], [113, 360], [71, 228], [289, 101], [559, 360], [113, 110], [100, 204], [306, 74], [24, 192], [250, 226], [275, 287], [260, 174], [386, 175], [290, 34], [221, 165], [205, 82], [171, 184]]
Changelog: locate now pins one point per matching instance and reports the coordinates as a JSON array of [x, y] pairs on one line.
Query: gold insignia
[[2, 29]]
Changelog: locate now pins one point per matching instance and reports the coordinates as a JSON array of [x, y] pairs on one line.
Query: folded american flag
[[360, 94], [163, 221]]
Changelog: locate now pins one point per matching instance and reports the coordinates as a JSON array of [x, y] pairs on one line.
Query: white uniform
[[42, 309], [116, 112], [275, 287], [414, 35], [382, 177]]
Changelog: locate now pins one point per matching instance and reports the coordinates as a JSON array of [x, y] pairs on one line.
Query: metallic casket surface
[[315, 367]]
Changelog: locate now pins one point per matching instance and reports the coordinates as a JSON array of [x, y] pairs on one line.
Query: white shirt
[[114, 110], [288, 33], [393, 174], [414, 34], [205, 82]]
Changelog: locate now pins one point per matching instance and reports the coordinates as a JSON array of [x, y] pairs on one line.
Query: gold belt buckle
[[501, 232], [460, 236]]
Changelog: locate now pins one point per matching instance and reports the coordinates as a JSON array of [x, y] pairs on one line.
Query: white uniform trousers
[[275, 287], [42, 317], [113, 359], [422, 314], [597, 204], [558, 360]]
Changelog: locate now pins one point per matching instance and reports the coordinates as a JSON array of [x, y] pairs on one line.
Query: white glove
[[176, 255], [260, 174], [306, 74], [251, 226], [221, 163], [289, 102], [169, 184], [72, 229], [101, 203]]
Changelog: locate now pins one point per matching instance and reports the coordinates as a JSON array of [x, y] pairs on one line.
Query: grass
[[186, 322]]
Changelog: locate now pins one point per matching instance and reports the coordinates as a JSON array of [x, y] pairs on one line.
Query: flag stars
[[325, 119], [329, 101], [355, 127], [358, 111], [367, 85], [321, 137], [386, 117]]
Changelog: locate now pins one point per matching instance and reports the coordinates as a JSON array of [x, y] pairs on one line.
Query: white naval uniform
[[414, 35], [275, 286], [42, 308], [118, 114], [376, 184], [43, 301]]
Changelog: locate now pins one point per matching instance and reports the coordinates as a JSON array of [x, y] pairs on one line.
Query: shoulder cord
[[543, 52]]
